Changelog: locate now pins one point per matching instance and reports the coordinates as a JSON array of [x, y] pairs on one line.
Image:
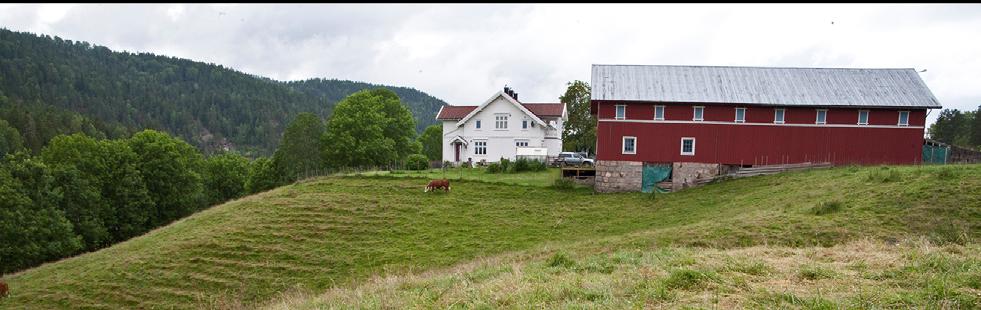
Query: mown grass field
[[381, 240], [544, 178]]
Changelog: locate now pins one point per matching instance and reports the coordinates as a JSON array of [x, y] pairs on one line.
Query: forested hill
[[208, 105]]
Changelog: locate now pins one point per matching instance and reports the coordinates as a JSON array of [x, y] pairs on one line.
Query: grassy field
[[543, 178], [363, 235]]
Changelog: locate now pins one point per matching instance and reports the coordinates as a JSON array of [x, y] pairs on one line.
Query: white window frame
[[616, 112], [818, 113], [736, 117], [517, 142], [867, 114], [498, 121], [695, 116], [899, 122], [783, 115], [623, 145], [477, 147], [692, 153], [655, 113]]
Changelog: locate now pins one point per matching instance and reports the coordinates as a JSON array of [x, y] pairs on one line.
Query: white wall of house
[[501, 142]]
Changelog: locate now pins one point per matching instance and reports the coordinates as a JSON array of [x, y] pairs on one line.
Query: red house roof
[[451, 112]]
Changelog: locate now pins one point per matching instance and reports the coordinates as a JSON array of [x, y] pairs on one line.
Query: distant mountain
[[207, 105]]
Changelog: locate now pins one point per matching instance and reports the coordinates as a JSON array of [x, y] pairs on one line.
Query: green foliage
[[579, 133], [369, 128], [432, 142], [171, 169], [300, 150], [494, 168], [10, 139], [32, 229], [689, 278], [36, 124], [263, 176], [526, 165], [417, 162], [505, 165], [957, 128], [225, 177], [561, 183], [827, 207], [205, 104]]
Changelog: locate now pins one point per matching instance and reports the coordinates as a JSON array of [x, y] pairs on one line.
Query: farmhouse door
[[456, 147]]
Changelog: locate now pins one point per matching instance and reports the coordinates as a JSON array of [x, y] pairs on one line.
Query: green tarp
[[654, 173], [934, 154]]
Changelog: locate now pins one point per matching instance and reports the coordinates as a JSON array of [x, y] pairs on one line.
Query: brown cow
[[3, 289], [437, 184]]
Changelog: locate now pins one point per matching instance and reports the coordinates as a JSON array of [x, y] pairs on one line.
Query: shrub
[[505, 165], [827, 207], [525, 164], [563, 184], [417, 162], [494, 168]]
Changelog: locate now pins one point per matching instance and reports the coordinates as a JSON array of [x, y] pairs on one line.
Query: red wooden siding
[[749, 144]]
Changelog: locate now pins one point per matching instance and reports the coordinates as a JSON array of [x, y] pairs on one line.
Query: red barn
[[725, 117]]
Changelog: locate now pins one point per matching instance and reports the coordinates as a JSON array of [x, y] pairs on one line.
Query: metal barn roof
[[762, 85]]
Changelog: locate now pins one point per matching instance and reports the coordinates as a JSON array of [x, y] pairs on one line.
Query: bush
[[494, 168], [505, 165], [563, 184], [417, 162], [524, 164]]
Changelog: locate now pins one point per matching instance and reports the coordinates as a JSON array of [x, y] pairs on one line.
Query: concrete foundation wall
[[618, 176]]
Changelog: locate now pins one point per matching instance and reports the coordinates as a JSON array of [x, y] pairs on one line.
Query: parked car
[[566, 159]]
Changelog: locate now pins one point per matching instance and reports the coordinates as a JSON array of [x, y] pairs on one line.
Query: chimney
[[515, 96]]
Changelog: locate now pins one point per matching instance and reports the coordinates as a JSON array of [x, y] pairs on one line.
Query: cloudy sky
[[464, 53]]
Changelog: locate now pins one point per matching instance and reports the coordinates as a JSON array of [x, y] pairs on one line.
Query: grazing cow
[[437, 184], [3, 289]]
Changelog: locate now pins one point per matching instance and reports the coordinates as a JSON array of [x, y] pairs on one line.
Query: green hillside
[[208, 105], [345, 235]]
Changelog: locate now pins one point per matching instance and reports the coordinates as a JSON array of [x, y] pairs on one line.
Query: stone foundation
[[683, 175], [618, 176]]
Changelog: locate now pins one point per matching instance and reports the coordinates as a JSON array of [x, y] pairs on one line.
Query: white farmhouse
[[501, 127]]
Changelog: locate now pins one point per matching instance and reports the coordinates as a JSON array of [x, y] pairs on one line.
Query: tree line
[[81, 193], [958, 128], [207, 105]]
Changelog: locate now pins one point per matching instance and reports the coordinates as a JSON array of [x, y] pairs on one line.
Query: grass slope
[[339, 232]]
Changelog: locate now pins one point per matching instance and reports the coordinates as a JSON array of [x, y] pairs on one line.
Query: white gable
[[501, 94]]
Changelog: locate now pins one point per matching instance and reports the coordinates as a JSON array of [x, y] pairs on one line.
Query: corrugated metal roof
[[762, 85]]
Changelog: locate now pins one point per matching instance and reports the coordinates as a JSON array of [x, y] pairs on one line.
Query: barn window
[[480, 147], [778, 116], [478, 124], [822, 116], [659, 113], [698, 113], [904, 118], [740, 115], [863, 117], [501, 121], [621, 111], [629, 145], [687, 146]]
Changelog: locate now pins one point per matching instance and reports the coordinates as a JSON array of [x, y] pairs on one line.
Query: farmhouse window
[[480, 147], [478, 124], [863, 117], [520, 143], [524, 124], [740, 115], [698, 113], [822, 116], [904, 118], [501, 121], [778, 116], [659, 113], [621, 111], [629, 145], [687, 146]]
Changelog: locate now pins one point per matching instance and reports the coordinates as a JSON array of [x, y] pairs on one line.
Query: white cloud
[[461, 53]]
